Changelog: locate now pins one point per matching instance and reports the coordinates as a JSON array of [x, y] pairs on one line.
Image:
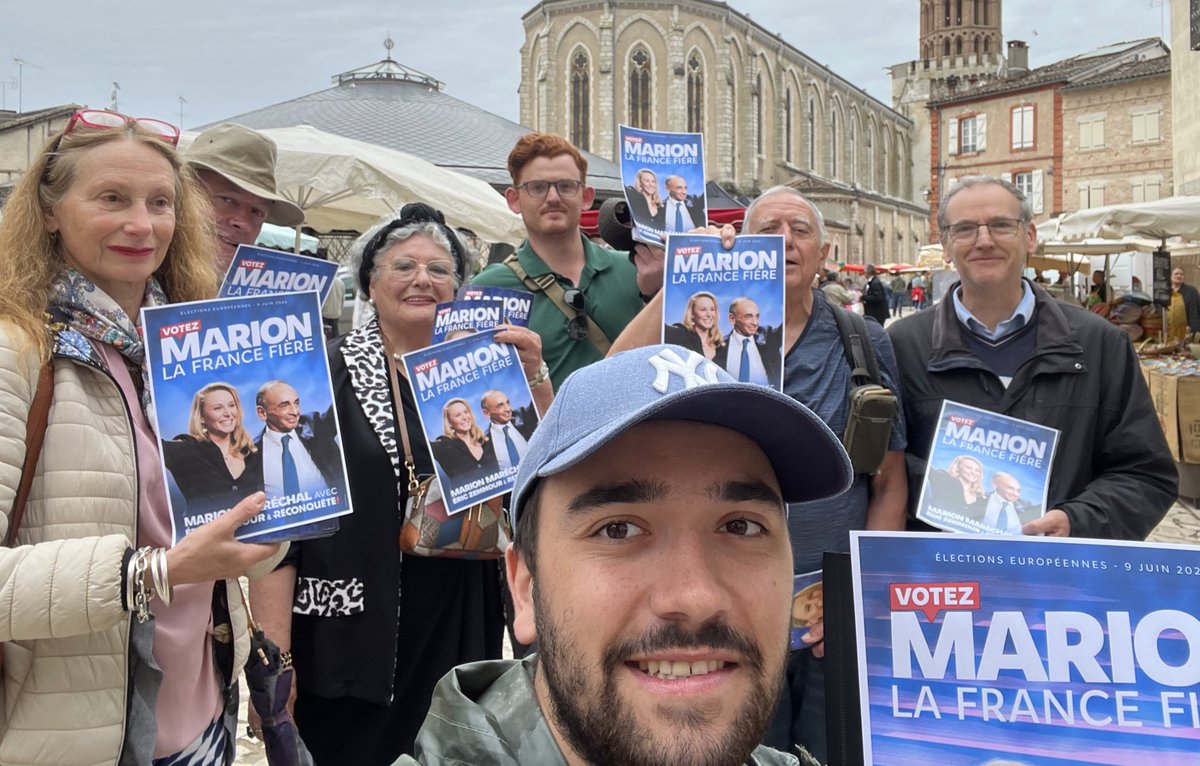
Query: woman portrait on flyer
[[700, 330], [463, 450]]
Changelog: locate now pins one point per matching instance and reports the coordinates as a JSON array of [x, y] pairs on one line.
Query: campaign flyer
[[261, 271], [980, 650], [663, 175], [517, 303], [477, 414], [479, 309], [987, 473], [728, 304], [808, 606], [243, 402]]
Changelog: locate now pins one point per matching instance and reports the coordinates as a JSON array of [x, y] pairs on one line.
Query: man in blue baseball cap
[[652, 564]]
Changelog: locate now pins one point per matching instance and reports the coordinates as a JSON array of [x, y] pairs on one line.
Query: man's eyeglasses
[[998, 229], [100, 119], [405, 269], [566, 187], [577, 328]]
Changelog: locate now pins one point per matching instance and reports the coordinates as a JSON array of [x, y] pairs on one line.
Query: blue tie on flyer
[[1052, 651], [262, 271], [728, 305]]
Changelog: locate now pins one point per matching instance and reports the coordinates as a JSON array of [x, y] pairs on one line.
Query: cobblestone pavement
[[1182, 525]]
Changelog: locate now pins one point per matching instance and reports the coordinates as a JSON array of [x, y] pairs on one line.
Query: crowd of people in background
[[120, 648]]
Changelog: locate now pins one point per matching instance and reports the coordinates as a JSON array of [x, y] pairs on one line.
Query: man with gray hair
[[816, 373], [1000, 343]]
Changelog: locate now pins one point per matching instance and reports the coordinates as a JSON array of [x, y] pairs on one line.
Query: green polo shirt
[[609, 285]]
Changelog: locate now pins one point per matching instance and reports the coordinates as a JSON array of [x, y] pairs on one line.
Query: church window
[[639, 88], [833, 143], [812, 135], [758, 115], [787, 125], [581, 101], [695, 94]]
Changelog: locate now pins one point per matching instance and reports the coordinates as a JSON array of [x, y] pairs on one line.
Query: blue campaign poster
[[243, 403], [663, 175], [261, 271], [987, 473], [457, 385], [1058, 652], [516, 303], [728, 304]]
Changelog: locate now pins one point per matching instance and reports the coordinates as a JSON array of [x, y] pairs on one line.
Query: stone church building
[[769, 113]]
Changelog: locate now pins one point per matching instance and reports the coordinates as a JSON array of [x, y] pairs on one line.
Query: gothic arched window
[[852, 167], [757, 107], [695, 94], [812, 135], [639, 88], [581, 100], [833, 143], [946, 50]]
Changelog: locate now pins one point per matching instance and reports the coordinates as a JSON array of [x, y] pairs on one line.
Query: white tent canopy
[[343, 184], [1161, 220]]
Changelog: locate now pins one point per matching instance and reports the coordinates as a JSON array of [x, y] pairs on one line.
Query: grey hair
[[969, 181], [784, 189], [420, 228]]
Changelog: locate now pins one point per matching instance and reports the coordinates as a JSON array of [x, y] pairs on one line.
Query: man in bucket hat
[[237, 166], [652, 564]]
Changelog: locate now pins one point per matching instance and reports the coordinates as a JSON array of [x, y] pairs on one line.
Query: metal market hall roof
[[395, 106]]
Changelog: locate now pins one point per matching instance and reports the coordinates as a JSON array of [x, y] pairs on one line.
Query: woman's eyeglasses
[[405, 269], [577, 328], [101, 119]]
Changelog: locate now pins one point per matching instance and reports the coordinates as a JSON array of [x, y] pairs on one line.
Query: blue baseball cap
[[598, 403]]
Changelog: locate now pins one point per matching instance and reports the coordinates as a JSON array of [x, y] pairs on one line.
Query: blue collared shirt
[[1019, 318]]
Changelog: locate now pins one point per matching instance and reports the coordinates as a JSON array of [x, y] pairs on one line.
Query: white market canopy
[[347, 185], [1161, 220]]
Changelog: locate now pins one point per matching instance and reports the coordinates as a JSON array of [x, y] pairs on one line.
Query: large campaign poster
[[260, 271], [977, 650], [243, 403], [477, 414], [663, 174], [987, 472], [728, 304]]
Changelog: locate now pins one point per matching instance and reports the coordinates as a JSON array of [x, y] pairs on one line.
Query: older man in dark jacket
[[1001, 343]]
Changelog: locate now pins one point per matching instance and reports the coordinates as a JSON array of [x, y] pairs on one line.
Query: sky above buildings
[[226, 57]]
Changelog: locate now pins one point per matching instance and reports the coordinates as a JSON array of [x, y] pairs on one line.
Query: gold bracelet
[[542, 374]]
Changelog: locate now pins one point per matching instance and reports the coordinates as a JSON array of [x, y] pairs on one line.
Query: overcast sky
[[226, 57]]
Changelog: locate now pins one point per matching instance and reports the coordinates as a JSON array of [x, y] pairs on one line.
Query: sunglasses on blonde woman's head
[[101, 119]]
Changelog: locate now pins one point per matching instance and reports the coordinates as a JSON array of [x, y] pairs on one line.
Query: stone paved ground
[[1182, 525]]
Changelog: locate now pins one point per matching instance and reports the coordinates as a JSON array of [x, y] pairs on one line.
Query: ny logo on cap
[[667, 362]]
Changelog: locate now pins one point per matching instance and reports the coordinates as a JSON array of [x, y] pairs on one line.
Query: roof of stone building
[[15, 119], [1156, 67], [391, 105], [1107, 61]]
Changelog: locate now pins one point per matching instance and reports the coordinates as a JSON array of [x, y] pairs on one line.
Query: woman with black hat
[[373, 631]]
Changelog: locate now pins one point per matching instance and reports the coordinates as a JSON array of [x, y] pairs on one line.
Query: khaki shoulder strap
[[549, 286]]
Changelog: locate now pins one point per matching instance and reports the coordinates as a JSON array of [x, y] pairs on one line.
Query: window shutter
[[1152, 126], [1084, 198], [1098, 133], [980, 132], [1035, 199], [1027, 126], [952, 142]]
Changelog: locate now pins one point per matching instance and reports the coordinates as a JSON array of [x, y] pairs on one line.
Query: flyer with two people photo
[[728, 304], [243, 403], [477, 415], [663, 175]]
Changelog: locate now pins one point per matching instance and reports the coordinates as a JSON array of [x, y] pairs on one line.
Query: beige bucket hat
[[246, 158]]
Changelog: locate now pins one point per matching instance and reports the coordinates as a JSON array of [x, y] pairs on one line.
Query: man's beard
[[603, 730]]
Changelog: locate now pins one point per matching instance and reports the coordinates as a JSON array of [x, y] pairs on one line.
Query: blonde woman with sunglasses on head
[[116, 649]]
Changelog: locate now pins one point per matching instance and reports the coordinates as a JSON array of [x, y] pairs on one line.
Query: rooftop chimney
[[1018, 57]]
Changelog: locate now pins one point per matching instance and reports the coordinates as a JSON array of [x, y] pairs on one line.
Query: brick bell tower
[[959, 29]]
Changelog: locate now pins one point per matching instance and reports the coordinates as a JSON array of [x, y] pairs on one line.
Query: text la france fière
[[695, 265], [188, 347], [962, 433], [436, 377]]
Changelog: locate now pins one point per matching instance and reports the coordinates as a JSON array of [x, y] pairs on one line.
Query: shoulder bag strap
[[35, 432], [401, 425], [856, 341], [549, 286]]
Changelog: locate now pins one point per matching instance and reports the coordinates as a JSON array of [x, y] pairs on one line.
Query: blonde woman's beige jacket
[[65, 632]]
